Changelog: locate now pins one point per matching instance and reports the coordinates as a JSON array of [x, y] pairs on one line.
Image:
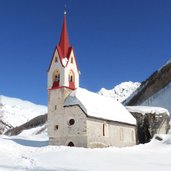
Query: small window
[[103, 129], [56, 59], [72, 61], [56, 127], [55, 107], [71, 122], [132, 135], [71, 144], [121, 134]]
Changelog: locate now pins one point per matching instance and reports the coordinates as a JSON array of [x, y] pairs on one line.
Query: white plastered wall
[[116, 134], [59, 116]]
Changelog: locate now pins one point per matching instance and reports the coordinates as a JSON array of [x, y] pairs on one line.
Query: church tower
[[63, 70], [63, 78]]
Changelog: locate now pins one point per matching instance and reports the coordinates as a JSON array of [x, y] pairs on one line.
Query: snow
[[120, 92], [64, 61], [16, 111], [30, 150], [147, 109], [22, 153], [169, 61], [98, 106], [162, 98]]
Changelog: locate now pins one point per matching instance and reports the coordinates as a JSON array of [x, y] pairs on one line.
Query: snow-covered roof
[[98, 106], [147, 109]]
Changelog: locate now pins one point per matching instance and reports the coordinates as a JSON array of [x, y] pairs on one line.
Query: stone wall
[[66, 125], [102, 133]]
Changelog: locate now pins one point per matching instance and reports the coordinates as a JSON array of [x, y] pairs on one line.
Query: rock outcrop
[[150, 121], [157, 81]]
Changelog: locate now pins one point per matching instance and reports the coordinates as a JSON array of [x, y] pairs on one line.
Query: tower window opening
[[71, 79], [56, 78], [72, 61], [56, 59]]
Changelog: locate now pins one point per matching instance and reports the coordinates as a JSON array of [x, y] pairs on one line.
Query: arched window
[[71, 79], [56, 78]]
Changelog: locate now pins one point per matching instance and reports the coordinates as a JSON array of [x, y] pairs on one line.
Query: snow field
[[21, 153]]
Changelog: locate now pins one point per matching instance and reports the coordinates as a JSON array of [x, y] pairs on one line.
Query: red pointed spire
[[64, 40]]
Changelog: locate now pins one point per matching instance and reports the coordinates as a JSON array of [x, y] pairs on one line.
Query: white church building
[[78, 117]]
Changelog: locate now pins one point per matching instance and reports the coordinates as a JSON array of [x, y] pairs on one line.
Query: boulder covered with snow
[[150, 121]]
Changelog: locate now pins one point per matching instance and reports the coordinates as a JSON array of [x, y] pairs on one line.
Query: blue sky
[[114, 41]]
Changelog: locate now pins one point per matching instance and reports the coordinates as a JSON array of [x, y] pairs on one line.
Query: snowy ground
[[33, 153]]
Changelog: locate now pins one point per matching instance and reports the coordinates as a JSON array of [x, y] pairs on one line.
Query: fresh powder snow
[[98, 106]]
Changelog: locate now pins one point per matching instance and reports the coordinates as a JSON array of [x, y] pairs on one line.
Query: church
[[78, 117]]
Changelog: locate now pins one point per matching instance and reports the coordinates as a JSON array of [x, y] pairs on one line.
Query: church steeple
[[64, 45], [63, 70]]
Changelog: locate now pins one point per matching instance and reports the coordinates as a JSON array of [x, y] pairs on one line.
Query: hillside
[[15, 112], [120, 92]]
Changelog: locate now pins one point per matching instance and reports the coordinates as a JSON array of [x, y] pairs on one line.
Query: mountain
[[155, 90], [15, 112], [121, 91]]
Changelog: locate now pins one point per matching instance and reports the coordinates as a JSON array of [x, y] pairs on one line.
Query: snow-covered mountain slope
[[121, 91], [161, 99], [15, 111]]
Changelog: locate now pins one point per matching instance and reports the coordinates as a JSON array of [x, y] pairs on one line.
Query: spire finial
[[65, 7]]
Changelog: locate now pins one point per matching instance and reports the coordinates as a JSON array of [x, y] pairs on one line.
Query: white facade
[[64, 71]]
